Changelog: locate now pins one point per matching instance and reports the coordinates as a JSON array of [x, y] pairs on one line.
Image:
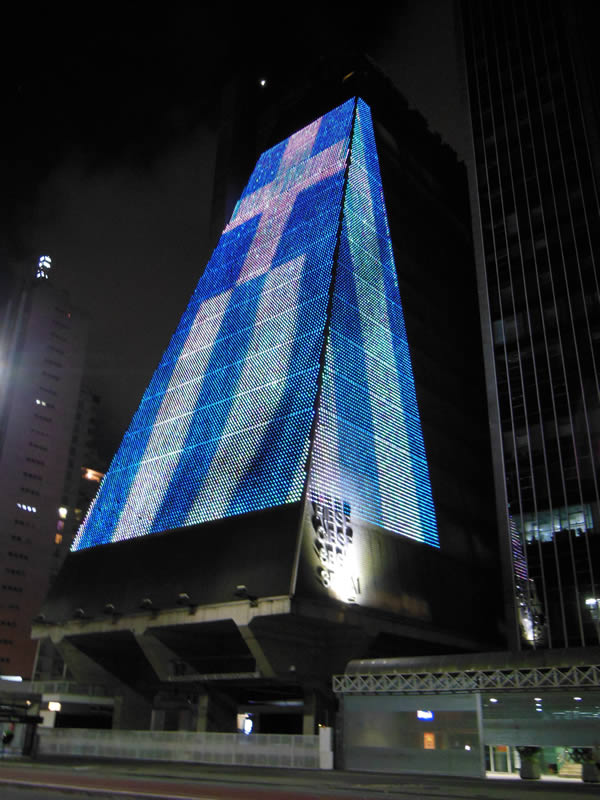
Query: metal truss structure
[[471, 680]]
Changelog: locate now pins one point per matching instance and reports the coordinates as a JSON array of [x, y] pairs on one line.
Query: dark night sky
[[114, 121]]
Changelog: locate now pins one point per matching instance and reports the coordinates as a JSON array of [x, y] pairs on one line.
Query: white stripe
[[236, 450], [389, 472], [173, 419], [325, 477]]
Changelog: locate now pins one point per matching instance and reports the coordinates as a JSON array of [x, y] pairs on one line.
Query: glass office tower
[[534, 186]]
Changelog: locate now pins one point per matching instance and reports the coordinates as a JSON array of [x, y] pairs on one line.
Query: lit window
[[91, 474], [25, 507], [593, 606]]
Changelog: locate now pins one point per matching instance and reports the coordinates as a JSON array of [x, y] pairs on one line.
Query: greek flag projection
[[289, 374]]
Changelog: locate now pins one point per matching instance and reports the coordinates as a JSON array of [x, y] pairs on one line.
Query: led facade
[[289, 375]]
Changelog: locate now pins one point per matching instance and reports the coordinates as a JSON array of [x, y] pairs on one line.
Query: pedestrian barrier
[[260, 750]]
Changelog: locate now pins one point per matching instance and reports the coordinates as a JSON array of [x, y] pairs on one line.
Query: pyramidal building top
[[288, 379]]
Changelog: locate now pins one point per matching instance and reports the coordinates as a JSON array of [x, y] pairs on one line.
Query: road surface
[[72, 779]]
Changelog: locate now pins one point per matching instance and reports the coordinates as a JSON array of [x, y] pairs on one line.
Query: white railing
[[265, 750]]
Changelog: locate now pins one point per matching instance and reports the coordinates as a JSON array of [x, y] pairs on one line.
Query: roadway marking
[[106, 790]]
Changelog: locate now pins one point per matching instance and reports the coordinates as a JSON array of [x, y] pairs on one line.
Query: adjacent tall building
[[43, 347], [534, 185]]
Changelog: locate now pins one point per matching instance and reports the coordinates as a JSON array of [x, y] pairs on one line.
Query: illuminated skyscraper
[[289, 374], [270, 511], [534, 183]]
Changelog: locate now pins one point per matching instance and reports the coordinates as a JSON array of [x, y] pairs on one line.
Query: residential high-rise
[[534, 185], [84, 467], [43, 347], [81, 481]]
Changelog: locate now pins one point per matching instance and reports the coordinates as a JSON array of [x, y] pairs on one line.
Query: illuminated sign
[[424, 714], [289, 374]]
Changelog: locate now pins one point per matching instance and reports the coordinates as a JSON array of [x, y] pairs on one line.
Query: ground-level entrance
[[500, 760]]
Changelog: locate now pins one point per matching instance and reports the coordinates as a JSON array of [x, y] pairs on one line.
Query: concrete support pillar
[[157, 721], [83, 668], [164, 661], [202, 713], [215, 711], [132, 711], [263, 664], [309, 715], [319, 709]]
